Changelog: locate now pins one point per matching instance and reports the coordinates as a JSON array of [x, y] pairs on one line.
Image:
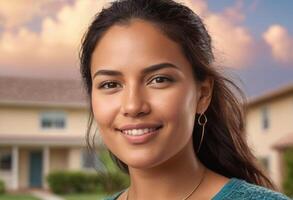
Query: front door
[[35, 169]]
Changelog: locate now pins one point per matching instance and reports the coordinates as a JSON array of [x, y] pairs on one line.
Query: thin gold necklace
[[194, 189]]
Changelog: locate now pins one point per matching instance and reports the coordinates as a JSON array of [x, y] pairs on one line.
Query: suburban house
[[270, 129], [42, 129]]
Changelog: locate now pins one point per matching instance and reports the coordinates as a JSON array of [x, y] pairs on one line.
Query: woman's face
[[144, 96]]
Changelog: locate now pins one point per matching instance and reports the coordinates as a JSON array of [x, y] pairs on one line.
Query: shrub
[[64, 182], [288, 182], [2, 187]]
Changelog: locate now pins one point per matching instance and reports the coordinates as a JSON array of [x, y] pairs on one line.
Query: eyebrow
[[147, 70]]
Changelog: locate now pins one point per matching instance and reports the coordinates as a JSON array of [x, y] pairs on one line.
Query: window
[[5, 161], [265, 118], [53, 120]]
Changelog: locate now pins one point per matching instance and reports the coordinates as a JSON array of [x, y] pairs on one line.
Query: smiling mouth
[[140, 131]]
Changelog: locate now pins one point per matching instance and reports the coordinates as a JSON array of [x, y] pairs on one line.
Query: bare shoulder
[[218, 180], [212, 184]]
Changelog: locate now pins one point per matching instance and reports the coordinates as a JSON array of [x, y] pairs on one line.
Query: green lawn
[[83, 197], [16, 197], [66, 197]]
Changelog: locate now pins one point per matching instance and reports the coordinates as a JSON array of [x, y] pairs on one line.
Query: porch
[[25, 166]]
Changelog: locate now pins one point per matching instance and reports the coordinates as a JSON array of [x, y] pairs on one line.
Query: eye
[[109, 85], [160, 79]]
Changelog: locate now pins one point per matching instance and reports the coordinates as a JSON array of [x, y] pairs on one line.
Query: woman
[[169, 119]]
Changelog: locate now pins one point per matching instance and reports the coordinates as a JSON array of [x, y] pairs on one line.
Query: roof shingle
[[15, 90]]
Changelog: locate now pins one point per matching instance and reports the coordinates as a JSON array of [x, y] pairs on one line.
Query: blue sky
[[265, 13], [253, 38], [264, 74]]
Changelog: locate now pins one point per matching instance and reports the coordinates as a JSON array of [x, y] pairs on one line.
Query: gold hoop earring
[[202, 120]]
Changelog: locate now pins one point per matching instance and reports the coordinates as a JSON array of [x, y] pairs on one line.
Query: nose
[[134, 103]]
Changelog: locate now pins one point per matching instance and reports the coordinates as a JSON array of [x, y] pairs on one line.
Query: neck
[[174, 179]]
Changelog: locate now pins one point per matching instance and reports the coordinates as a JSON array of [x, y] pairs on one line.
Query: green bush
[[2, 187], [65, 182], [288, 182]]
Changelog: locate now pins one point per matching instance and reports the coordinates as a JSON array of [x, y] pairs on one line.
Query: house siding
[[280, 111], [26, 121]]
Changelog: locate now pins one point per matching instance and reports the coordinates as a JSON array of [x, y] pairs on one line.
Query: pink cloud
[[15, 13], [56, 46], [54, 49], [280, 43], [232, 42]]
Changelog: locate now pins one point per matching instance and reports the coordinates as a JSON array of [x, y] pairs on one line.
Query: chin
[[143, 162], [141, 165]]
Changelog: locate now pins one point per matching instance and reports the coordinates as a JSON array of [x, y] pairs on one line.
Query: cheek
[[178, 110], [104, 110], [177, 105]]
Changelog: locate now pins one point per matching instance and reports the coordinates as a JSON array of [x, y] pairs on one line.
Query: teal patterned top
[[237, 189]]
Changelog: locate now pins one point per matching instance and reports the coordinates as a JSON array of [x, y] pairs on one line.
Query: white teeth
[[138, 131]]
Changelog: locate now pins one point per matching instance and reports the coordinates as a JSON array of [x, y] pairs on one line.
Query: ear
[[205, 89]]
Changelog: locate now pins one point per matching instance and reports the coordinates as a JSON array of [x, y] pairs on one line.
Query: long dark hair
[[224, 148]]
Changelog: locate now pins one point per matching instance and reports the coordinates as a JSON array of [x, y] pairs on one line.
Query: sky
[[252, 39]]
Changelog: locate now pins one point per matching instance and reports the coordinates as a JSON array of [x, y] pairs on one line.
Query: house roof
[[42, 92], [284, 142], [277, 93]]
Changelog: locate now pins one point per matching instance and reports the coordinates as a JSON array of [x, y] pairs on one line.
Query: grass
[[16, 197], [83, 197], [66, 197]]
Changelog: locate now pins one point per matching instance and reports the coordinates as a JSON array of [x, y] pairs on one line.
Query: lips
[[139, 126], [140, 133], [136, 132]]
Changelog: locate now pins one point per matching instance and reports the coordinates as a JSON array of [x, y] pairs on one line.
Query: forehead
[[137, 44]]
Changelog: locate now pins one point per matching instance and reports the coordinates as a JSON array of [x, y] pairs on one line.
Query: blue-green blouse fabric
[[237, 189]]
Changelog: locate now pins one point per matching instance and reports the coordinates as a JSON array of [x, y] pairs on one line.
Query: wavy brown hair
[[224, 148]]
